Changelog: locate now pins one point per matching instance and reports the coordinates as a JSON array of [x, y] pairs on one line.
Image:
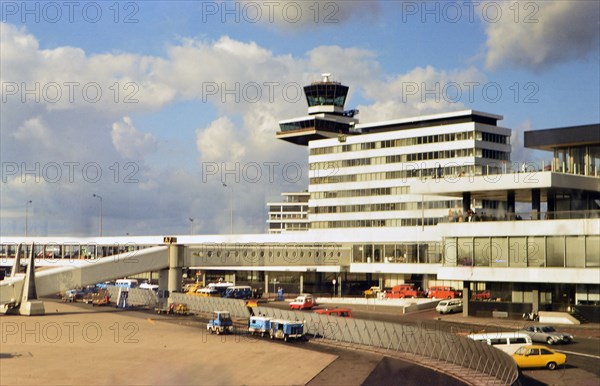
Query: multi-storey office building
[[290, 214], [446, 186], [359, 181]]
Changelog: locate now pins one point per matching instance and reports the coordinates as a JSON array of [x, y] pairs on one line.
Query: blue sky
[[168, 139]]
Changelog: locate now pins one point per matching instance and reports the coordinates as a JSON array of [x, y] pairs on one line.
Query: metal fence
[[236, 307], [136, 297], [454, 354], [429, 343]]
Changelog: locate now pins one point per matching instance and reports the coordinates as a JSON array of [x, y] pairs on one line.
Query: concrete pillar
[[175, 268], [339, 283], [510, 204], [301, 283], [535, 300], [466, 295], [466, 201], [203, 279], [535, 203], [30, 305], [266, 292], [233, 278], [163, 280], [551, 203]]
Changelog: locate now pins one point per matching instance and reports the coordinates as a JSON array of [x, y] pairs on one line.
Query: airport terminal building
[[429, 200]]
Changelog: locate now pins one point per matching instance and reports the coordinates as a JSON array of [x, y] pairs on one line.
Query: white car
[[449, 306]]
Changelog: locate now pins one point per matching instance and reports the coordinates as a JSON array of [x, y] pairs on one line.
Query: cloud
[[541, 34], [299, 15], [218, 142], [130, 142], [422, 90]]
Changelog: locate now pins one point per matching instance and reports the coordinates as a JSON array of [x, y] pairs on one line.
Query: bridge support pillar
[[30, 305], [175, 268], [301, 283], [163, 280]]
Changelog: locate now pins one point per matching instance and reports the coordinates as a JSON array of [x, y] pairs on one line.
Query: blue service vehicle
[[286, 330], [259, 325], [239, 292], [220, 323]]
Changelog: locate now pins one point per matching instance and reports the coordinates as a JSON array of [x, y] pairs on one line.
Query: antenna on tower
[[326, 77]]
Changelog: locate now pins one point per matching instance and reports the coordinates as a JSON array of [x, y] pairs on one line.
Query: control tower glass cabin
[[326, 116]]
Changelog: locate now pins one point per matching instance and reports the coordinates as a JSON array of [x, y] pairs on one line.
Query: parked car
[[304, 301], [538, 356], [73, 295], [449, 306], [509, 342], [481, 295], [372, 292], [547, 334], [239, 292], [441, 292], [343, 312], [404, 291]]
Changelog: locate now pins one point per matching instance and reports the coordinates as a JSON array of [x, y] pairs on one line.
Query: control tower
[[326, 116]]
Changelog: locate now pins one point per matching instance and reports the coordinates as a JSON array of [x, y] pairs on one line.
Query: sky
[[167, 110]]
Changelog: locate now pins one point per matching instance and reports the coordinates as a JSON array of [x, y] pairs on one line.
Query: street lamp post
[[230, 207], [191, 225], [27, 216], [100, 197]]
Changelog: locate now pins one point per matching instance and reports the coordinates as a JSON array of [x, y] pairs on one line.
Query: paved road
[[583, 356]]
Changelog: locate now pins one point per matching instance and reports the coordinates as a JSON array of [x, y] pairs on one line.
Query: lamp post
[[191, 225], [230, 207], [27, 216], [100, 197]]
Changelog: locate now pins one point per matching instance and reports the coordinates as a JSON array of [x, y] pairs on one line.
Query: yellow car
[[371, 292], [538, 356]]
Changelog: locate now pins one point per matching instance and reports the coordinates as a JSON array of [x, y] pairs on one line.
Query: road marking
[[578, 353]]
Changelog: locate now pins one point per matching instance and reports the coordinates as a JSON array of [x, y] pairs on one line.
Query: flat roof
[[432, 117], [550, 139]]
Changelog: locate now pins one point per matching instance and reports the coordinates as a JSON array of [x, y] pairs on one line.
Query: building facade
[[289, 214]]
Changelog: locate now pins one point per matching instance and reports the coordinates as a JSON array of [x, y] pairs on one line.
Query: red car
[[403, 291], [302, 302]]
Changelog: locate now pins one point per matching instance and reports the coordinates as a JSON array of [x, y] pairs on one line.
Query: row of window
[[397, 253], [398, 174], [399, 158], [394, 222], [493, 154], [288, 208], [277, 216], [384, 207], [534, 251], [396, 191], [436, 138]]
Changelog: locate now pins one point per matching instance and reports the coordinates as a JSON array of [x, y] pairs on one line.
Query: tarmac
[[76, 344]]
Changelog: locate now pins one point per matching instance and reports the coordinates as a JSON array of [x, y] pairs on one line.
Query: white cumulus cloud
[[536, 35], [130, 142]]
